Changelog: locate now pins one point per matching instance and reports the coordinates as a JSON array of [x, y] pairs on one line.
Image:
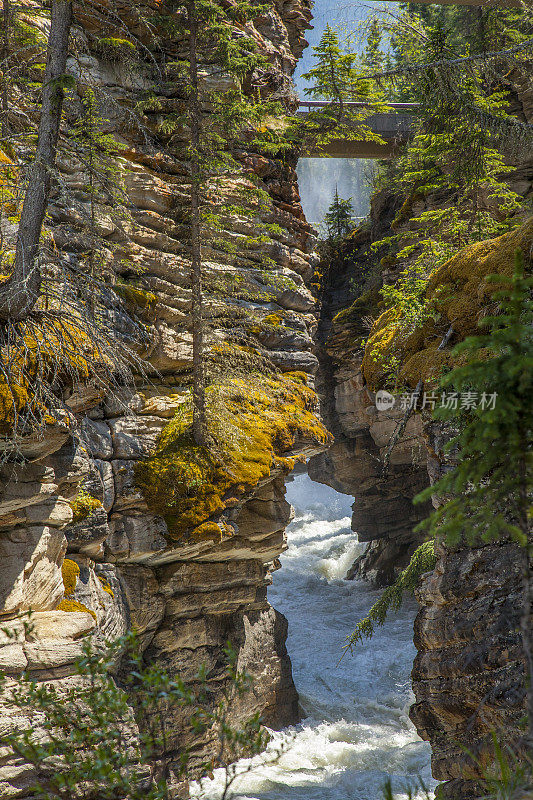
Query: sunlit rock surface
[[468, 676], [93, 564]]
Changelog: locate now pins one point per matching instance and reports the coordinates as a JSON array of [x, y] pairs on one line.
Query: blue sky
[[338, 13]]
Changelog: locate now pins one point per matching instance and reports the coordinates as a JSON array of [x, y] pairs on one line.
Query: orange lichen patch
[[73, 605], [8, 185], [70, 572], [463, 295], [190, 486], [40, 350]]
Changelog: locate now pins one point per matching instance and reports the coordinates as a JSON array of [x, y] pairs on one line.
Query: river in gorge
[[356, 731]]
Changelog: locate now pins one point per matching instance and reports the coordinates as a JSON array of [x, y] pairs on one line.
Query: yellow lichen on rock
[[273, 319], [136, 297], [73, 605], [462, 295], [42, 350], [106, 586], [257, 423], [83, 506], [70, 572]]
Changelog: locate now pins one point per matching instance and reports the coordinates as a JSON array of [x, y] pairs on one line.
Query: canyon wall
[[468, 676], [97, 534]]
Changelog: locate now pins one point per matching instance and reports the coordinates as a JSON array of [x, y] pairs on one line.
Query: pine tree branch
[[415, 69]]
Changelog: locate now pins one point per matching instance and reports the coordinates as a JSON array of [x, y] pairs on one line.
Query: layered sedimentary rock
[[383, 513], [468, 676], [91, 541]]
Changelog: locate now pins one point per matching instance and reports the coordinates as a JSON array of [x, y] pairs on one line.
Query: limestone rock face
[[468, 676], [91, 562], [383, 513]]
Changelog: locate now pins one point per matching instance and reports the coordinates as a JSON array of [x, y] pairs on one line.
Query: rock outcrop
[[91, 540], [383, 513], [468, 676]]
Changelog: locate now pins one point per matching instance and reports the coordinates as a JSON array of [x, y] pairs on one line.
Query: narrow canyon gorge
[[96, 535]]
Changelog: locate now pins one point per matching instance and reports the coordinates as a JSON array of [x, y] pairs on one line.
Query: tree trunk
[[20, 292], [199, 424], [5, 68]]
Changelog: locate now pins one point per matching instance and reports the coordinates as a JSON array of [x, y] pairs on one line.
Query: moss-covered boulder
[[260, 426], [462, 296]]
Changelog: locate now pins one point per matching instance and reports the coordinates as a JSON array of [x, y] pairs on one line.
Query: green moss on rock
[[136, 298], [190, 486], [367, 303], [463, 295]]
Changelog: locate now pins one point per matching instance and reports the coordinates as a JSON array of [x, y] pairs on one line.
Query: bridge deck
[[393, 127]]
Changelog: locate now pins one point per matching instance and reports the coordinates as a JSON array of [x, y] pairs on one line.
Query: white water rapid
[[356, 732]]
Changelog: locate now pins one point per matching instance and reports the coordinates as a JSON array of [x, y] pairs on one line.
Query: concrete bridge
[[393, 126]]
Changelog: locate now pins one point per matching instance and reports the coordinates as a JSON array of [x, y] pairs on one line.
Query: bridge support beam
[[475, 3], [394, 128]]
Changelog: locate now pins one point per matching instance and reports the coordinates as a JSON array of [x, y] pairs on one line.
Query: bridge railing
[[306, 106]]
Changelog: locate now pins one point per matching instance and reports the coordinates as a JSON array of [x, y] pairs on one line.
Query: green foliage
[[339, 217], [408, 296], [409, 792], [106, 735], [507, 777], [490, 483], [454, 173], [463, 127], [423, 560], [336, 78], [99, 153]]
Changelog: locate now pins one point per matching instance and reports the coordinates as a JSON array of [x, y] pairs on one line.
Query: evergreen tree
[[339, 218], [213, 30], [373, 57], [335, 78], [58, 318], [20, 292]]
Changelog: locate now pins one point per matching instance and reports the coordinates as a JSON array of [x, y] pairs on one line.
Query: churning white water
[[356, 732]]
